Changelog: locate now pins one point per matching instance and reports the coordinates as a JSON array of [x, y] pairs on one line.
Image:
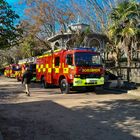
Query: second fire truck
[[79, 67], [11, 70], [31, 63]]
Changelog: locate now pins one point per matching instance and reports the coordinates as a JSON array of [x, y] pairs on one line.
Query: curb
[[134, 93], [1, 138]]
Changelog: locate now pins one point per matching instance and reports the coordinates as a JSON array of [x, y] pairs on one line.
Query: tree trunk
[[128, 73], [128, 64]]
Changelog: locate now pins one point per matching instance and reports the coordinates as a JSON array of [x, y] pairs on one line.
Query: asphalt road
[[50, 115]]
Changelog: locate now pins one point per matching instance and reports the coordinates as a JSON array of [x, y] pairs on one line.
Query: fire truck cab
[[79, 67]]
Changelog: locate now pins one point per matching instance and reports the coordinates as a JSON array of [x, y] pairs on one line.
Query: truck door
[[69, 66], [56, 69]]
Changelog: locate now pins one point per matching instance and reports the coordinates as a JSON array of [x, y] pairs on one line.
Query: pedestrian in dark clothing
[[26, 79]]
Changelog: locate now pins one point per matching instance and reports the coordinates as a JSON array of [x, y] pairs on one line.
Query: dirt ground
[[49, 115]]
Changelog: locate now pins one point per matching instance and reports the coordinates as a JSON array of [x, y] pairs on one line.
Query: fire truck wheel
[[64, 86]]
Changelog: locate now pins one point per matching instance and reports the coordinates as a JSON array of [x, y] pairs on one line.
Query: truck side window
[[57, 61], [69, 59]]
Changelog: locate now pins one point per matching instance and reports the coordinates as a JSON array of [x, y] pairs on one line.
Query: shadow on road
[[47, 120]]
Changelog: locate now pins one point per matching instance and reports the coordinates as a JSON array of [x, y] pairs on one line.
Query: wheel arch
[[60, 78]]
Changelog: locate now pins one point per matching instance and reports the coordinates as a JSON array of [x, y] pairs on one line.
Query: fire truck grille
[[83, 76]]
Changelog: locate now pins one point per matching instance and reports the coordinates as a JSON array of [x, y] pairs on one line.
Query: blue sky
[[18, 8], [11, 1], [14, 4]]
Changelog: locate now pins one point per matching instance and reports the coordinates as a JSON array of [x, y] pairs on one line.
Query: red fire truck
[[79, 67], [31, 63], [10, 71]]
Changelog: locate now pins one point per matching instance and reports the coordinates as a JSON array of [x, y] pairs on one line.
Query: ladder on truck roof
[[27, 60]]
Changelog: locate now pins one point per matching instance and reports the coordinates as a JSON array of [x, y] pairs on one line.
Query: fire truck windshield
[[87, 59], [15, 67]]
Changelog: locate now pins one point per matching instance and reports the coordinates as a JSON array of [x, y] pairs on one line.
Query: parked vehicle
[[31, 63], [10, 71], [79, 67]]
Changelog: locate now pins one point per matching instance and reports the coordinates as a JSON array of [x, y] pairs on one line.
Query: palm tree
[[124, 30]]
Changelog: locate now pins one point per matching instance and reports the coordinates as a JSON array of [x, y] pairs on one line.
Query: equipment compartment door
[[56, 69]]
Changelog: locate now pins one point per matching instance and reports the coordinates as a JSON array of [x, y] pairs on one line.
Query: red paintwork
[[53, 78]]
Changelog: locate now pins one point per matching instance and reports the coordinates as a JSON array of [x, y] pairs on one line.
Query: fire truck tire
[[64, 86]]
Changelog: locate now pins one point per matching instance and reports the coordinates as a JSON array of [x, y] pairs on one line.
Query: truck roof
[[48, 53]]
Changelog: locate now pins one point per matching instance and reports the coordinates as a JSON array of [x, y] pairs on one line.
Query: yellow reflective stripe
[[44, 69], [41, 66], [56, 70], [62, 65], [49, 70], [39, 56], [65, 70], [47, 66], [39, 70], [37, 66], [57, 50]]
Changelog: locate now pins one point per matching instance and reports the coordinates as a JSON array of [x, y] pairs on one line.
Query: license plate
[[91, 81]]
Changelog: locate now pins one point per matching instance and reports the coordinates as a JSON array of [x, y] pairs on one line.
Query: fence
[[131, 73]]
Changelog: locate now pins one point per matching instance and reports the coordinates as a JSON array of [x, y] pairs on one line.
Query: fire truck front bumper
[[88, 81], [12, 76]]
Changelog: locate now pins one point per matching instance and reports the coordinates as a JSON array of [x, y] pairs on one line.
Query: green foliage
[[8, 31], [124, 30], [125, 18]]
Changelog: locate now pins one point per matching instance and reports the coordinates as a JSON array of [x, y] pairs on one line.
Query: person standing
[[26, 79]]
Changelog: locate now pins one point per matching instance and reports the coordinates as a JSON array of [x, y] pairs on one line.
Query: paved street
[[50, 115]]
